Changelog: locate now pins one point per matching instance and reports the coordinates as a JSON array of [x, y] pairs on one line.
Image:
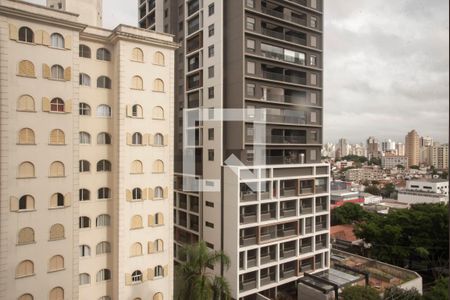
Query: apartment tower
[[412, 148], [86, 155], [259, 194]]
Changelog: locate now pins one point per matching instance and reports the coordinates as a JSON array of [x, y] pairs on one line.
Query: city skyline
[[392, 90]]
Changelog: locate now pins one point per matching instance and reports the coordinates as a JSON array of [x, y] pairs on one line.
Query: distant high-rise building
[[343, 147], [373, 150], [426, 141], [400, 147], [412, 148], [388, 146], [439, 156]]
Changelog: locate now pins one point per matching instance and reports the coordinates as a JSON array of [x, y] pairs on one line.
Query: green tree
[[439, 291], [400, 167], [415, 167], [375, 161], [360, 293], [372, 189], [348, 213], [400, 294], [403, 237], [388, 190], [194, 281]]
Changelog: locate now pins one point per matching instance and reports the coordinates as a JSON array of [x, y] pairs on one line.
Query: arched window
[[85, 138], [103, 54], [104, 193], [158, 296], [56, 293], [84, 195], [104, 111], [159, 245], [104, 138], [26, 35], [103, 275], [158, 113], [57, 137], [159, 139], [103, 221], [158, 85], [159, 271], [136, 249], [136, 276], [26, 236], [103, 248], [26, 103], [56, 263], [137, 167], [84, 166], [85, 251], [159, 193], [57, 200], [136, 222], [137, 194], [137, 139], [85, 109], [26, 136], [158, 166], [25, 268], [137, 55], [85, 278], [159, 59], [85, 51], [159, 219], [57, 40], [26, 297], [137, 111], [26, 202], [104, 82], [26, 68], [26, 170], [104, 166], [57, 72], [57, 232], [84, 222], [57, 105], [57, 169], [85, 79], [137, 83]]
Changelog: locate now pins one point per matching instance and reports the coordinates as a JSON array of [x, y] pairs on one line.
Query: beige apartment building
[[86, 155], [412, 148]]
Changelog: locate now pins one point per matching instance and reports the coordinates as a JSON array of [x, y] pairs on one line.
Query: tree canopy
[[359, 293], [349, 213]]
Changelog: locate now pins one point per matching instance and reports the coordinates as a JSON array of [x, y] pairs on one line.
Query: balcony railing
[[306, 210], [251, 262], [248, 240], [283, 139], [287, 99], [288, 273], [284, 78], [249, 196], [321, 226], [287, 253], [321, 245], [250, 218], [270, 278], [266, 216], [282, 36], [321, 208], [308, 229], [305, 249], [265, 259], [247, 285], [284, 16], [287, 213]]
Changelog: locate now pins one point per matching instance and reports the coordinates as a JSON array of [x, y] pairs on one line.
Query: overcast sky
[[386, 66]]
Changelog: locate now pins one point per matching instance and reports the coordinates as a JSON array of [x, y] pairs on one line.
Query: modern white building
[[86, 162], [438, 156], [424, 191], [282, 215]]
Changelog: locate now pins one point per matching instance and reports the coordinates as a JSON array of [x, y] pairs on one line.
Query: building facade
[[391, 161], [438, 156], [373, 148], [365, 173], [412, 148], [263, 61], [86, 165]]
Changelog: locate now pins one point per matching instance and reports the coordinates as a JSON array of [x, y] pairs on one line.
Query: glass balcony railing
[[284, 78]]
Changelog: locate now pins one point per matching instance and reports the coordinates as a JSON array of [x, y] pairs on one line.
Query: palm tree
[[193, 279]]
